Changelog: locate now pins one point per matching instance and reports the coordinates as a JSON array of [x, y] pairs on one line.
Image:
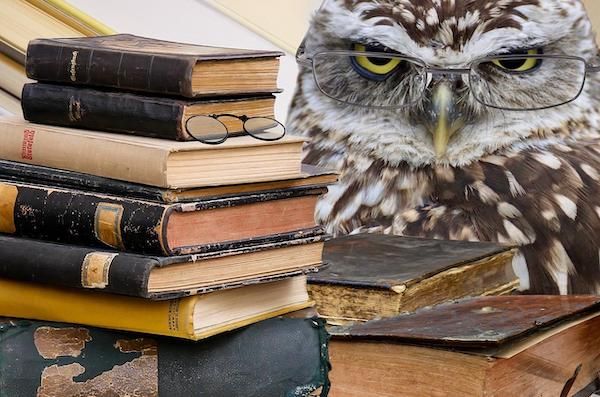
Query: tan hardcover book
[[10, 103], [519, 346], [149, 161], [370, 276], [12, 76], [25, 20]]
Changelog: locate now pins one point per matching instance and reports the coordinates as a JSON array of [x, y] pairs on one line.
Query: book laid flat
[[82, 218], [310, 176], [369, 275], [157, 278], [12, 76], [10, 103], [155, 117], [150, 161], [526, 346], [277, 357], [25, 20], [128, 62], [194, 317]]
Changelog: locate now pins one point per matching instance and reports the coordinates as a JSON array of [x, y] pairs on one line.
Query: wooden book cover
[[369, 275], [127, 62], [193, 317], [149, 161], [97, 220], [526, 346], [310, 176], [154, 117], [278, 357], [158, 278]]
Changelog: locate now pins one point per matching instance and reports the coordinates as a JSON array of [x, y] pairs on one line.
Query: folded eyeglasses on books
[[214, 129]]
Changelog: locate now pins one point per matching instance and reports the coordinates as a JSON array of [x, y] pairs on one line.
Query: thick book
[[127, 62], [151, 161], [157, 278], [193, 317], [369, 275], [310, 176], [155, 117], [278, 357], [82, 218], [526, 346]]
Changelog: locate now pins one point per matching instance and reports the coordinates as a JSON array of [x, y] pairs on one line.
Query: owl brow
[[376, 45]]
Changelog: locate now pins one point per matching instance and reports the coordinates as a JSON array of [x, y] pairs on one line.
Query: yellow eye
[[517, 64], [373, 67]]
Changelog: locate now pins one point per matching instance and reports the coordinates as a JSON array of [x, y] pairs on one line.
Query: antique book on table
[[310, 176], [193, 317], [127, 62], [150, 161], [369, 275], [526, 346], [155, 117], [278, 357], [82, 218], [153, 277]]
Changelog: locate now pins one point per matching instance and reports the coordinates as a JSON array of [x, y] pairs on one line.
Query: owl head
[[446, 82]]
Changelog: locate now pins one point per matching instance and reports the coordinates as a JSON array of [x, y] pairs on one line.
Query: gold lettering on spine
[[95, 270], [8, 199], [107, 224]]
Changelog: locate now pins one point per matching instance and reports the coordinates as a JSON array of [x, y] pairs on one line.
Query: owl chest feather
[[544, 199]]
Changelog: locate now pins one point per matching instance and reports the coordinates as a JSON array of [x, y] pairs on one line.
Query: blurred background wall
[[261, 24]]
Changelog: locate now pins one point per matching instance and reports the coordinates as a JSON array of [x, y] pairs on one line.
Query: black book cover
[[82, 218], [85, 108], [122, 273], [284, 356]]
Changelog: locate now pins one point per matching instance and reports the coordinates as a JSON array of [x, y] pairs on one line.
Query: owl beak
[[443, 119]]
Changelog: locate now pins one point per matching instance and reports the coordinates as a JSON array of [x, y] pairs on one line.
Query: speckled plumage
[[531, 179]]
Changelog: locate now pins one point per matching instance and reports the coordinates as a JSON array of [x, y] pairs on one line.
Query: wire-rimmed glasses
[[214, 129], [495, 81]]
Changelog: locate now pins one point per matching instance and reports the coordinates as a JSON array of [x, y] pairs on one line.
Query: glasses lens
[[265, 128], [206, 129], [527, 83], [369, 79]]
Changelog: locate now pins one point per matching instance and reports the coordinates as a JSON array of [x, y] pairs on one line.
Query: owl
[[471, 120]]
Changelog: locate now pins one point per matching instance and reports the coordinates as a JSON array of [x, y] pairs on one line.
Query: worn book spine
[[119, 112], [72, 150], [278, 357], [119, 273], [75, 217], [102, 67]]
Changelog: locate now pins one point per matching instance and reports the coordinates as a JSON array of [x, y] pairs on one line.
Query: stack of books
[[114, 215]]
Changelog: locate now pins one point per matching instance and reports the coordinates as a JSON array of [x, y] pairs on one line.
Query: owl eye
[[373, 67], [520, 65]]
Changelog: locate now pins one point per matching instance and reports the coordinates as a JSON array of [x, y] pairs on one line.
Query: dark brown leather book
[[155, 277], [99, 220], [154, 117], [278, 357], [128, 62], [526, 346], [369, 275]]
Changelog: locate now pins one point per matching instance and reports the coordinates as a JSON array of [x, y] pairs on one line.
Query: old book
[[193, 317], [157, 278], [277, 357], [526, 346], [25, 20], [150, 161], [370, 276], [310, 176], [78, 217], [128, 62], [12, 76], [9, 103], [155, 117]]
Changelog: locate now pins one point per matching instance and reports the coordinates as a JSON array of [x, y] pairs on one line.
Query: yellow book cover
[[194, 317]]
